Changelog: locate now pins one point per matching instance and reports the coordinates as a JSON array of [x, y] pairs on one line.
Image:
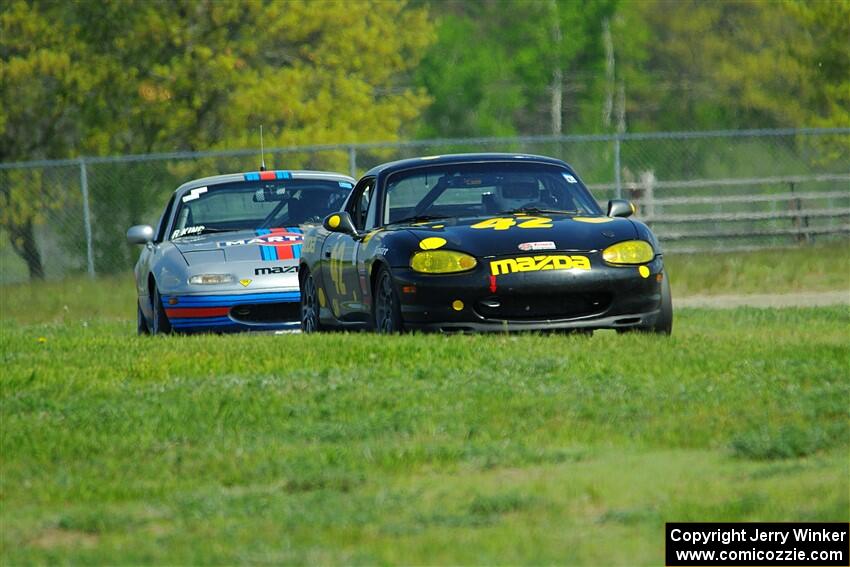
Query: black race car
[[481, 242]]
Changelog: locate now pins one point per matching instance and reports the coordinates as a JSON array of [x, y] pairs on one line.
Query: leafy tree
[[688, 64], [495, 64], [43, 89], [199, 74]]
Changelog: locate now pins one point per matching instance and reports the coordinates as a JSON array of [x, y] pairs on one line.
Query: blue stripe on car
[[227, 300]]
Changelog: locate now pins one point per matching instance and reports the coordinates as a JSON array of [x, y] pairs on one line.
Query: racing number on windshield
[[504, 223]]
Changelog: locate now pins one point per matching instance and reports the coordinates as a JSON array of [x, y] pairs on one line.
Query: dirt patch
[[802, 299], [56, 537]]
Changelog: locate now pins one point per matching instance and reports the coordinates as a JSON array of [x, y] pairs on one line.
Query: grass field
[[415, 449]]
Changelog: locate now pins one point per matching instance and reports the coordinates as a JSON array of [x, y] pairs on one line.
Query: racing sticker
[[194, 194], [538, 263], [187, 231], [544, 245], [569, 178], [272, 270], [593, 220], [504, 223], [274, 243], [432, 243]]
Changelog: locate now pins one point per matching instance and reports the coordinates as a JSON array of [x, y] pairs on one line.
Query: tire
[[141, 323], [160, 324], [664, 323], [310, 321], [386, 310]]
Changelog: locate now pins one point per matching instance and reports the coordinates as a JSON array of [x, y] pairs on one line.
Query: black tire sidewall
[[315, 301], [161, 324], [395, 311], [142, 327]]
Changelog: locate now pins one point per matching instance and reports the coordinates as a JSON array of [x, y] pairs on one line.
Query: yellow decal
[[457, 305], [322, 299], [504, 223], [536, 222], [369, 235], [538, 263], [245, 283], [432, 243], [643, 271], [593, 220], [337, 253], [439, 226], [333, 222]]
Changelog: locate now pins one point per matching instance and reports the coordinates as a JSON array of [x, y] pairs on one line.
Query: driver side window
[[358, 208], [163, 221]]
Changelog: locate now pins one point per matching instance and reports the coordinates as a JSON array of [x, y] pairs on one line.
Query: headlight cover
[[442, 262], [211, 279], [629, 252]]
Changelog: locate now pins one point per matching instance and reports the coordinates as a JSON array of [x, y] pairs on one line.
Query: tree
[[196, 75], [688, 64], [43, 90], [492, 68]]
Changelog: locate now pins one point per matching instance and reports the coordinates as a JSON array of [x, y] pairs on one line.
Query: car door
[[340, 252]]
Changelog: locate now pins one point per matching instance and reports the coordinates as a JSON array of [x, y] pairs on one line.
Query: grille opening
[[282, 312], [627, 321], [529, 307]]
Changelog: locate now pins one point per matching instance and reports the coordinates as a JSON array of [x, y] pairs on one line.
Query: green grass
[[823, 267], [417, 449]]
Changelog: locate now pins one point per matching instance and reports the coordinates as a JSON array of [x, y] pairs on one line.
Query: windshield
[[257, 204], [480, 189]]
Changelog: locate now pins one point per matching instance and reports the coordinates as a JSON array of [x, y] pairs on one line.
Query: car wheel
[[386, 314], [141, 322], [664, 324], [161, 325], [309, 305]]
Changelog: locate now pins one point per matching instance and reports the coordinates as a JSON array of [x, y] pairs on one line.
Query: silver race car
[[225, 254]]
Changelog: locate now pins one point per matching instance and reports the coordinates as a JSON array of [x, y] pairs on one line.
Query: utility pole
[[608, 104], [557, 74]]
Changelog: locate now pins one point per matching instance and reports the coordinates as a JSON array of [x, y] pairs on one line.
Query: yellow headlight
[[629, 252], [442, 262]]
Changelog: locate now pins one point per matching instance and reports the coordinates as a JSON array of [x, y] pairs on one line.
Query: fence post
[[84, 187], [647, 182], [352, 161], [800, 222], [617, 181]]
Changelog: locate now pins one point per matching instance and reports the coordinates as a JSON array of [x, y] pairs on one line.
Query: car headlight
[[442, 262], [211, 279], [629, 252]]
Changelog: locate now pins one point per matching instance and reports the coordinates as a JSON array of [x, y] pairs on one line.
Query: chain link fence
[[699, 191]]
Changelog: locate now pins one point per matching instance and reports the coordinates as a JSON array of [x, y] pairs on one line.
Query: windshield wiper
[[536, 210], [420, 218]]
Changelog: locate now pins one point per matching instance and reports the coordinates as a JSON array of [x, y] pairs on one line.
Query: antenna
[[262, 151]]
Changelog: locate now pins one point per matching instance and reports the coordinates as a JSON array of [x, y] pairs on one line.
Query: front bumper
[[264, 311], [603, 297]]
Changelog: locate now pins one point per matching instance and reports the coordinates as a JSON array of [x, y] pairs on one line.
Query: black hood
[[483, 236]]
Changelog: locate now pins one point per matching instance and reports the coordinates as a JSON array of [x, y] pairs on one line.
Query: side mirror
[[140, 234], [340, 222], [620, 208]]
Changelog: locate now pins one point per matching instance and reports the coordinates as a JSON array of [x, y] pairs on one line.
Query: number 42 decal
[[504, 223]]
